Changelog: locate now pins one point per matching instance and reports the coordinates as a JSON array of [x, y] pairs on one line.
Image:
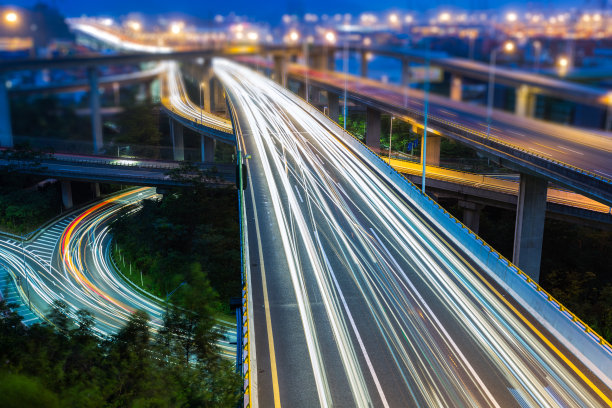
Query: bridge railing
[[575, 334]]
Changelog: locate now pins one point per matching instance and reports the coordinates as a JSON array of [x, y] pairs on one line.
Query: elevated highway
[[365, 293]]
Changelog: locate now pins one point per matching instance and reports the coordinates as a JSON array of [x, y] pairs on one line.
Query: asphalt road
[[587, 150], [71, 261], [358, 299]]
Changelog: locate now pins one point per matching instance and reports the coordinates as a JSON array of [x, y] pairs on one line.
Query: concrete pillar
[[176, 133], [96, 117], [333, 105], [280, 69], [66, 194], [95, 188], [529, 226], [524, 104], [364, 64], [405, 72], [433, 149], [207, 148], [456, 88], [6, 131], [373, 129], [301, 91], [471, 214], [217, 101], [117, 93]]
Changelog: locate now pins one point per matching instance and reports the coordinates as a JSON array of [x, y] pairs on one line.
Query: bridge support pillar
[[529, 226], [301, 91], [207, 85], [95, 189], [176, 133], [280, 69], [6, 132], [96, 116], [372, 129], [207, 147], [471, 214], [333, 106], [433, 150], [524, 104], [456, 88], [405, 72], [364, 64], [217, 102], [66, 194]]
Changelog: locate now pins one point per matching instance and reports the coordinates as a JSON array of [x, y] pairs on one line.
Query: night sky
[[270, 10]]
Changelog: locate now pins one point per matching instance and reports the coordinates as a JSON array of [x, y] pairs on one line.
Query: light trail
[[390, 313], [85, 276]]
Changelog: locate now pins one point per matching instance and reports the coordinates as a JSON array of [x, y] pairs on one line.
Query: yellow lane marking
[[499, 295], [275, 388]]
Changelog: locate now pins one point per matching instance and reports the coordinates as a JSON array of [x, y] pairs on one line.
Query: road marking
[[275, 388], [548, 147], [539, 334], [570, 150], [605, 174]]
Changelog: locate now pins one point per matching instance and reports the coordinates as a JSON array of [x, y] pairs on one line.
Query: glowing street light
[[252, 36], [11, 17], [176, 27], [511, 17], [563, 62], [393, 19], [330, 37], [294, 36], [508, 47], [134, 25], [444, 17]]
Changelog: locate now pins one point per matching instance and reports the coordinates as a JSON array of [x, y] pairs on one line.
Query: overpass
[[374, 292], [98, 169]]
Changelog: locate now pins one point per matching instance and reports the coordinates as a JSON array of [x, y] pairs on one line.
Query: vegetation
[[68, 366], [139, 130], [190, 235]]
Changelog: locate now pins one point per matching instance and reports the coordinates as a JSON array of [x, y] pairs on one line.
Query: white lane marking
[[298, 192], [439, 324], [350, 316], [539, 151], [605, 174], [570, 150]]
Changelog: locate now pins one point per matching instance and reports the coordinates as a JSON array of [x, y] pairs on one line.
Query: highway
[[581, 148], [359, 299], [71, 261]]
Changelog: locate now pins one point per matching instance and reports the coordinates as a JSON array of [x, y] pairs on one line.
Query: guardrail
[[481, 138], [558, 319], [247, 358]]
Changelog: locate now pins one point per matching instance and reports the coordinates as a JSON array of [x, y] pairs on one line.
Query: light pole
[[608, 125], [201, 107], [507, 47], [538, 50], [425, 114], [345, 69], [172, 293], [390, 137]]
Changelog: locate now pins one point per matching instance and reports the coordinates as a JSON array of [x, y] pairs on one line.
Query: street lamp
[[294, 36], [11, 17], [537, 45], [202, 152], [330, 37], [390, 138], [507, 47]]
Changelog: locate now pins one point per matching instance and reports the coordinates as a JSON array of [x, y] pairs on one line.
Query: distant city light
[[509, 46], [11, 17], [444, 17], [367, 41], [176, 27], [107, 22], [393, 19], [134, 25], [294, 36], [563, 62], [408, 19], [252, 36], [330, 37], [511, 17]]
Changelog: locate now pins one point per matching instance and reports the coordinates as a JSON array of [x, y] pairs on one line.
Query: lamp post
[[608, 124], [537, 45], [345, 69], [507, 47], [390, 137]]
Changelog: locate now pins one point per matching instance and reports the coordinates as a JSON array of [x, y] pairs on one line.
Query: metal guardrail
[[513, 268], [245, 357]]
